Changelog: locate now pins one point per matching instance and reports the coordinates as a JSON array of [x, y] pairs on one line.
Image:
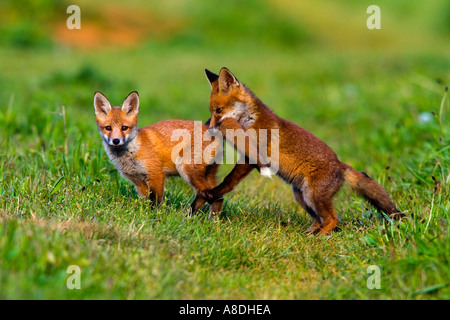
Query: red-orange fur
[[305, 162], [146, 159]]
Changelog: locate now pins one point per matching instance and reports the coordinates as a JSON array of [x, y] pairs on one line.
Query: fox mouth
[[116, 146]]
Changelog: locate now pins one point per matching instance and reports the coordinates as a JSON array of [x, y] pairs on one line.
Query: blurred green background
[[237, 24]]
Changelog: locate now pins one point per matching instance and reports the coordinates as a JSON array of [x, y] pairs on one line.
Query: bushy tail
[[371, 191]]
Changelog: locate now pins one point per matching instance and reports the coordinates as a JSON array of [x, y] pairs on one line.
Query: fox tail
[[371, 191]]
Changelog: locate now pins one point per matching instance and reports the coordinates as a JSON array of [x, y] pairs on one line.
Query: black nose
[[116, 141]]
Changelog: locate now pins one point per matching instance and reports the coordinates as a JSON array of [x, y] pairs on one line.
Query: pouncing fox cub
[[144, 156], [304, 161]]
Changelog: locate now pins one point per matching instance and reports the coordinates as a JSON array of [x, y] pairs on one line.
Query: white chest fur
[[126, 162], [241, 113]]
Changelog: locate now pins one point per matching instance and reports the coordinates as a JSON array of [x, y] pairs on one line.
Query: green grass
[[63, 203]]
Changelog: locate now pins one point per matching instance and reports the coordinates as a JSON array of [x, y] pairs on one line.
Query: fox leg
[[142, 189], [318, 194], [239, 172], [316, 224], [156, 187], [150, 191], [195, 175], [327, 215], [198, 202], [216, 207]]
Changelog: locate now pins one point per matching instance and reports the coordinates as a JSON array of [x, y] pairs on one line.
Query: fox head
[[230, 99], [117, 125]]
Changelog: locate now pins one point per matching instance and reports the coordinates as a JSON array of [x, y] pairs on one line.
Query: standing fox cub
[[144, 156], [304, 161]]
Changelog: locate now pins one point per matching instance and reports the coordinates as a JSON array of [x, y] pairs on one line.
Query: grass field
[[378, 99]]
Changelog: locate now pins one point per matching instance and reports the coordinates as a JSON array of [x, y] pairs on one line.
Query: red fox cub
[[304, 161], [144, 156]]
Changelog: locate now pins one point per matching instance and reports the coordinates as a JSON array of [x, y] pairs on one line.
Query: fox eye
[[218, 110], [124, 128], [108, 128]]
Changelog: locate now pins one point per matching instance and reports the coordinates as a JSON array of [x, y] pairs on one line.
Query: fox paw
[[398, 216]]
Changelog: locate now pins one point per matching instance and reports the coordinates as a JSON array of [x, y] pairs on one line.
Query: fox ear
[[212, 77], [101, 104], [131, 104], [227, 80]]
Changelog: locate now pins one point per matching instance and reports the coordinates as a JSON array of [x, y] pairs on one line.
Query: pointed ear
[[227, 80], [101, 104], [212, 77], [131, 104]]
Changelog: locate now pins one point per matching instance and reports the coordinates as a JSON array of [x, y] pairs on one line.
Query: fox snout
[[212, 124], [114, 142]]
